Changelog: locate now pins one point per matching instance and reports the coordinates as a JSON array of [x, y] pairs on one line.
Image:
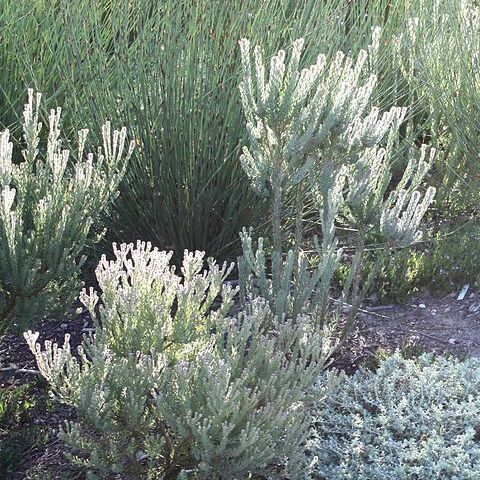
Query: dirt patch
[[426, 324], [440, 325], [18, 369], [17, 363]]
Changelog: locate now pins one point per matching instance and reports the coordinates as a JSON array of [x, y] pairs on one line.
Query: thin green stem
[[298, 226], [277, 219], [7, 313]]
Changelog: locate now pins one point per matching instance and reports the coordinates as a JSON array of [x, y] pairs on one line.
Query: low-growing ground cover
[[410, 419]]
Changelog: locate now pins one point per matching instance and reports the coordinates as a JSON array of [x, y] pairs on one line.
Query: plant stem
[[277, 218], [298, 227], [6, 315], [360, 248], [355, 297]]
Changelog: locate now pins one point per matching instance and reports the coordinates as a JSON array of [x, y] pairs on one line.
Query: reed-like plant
[[167, 69], [128, 60]]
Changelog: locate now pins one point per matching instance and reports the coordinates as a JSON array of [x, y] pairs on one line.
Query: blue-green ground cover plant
[[415, 419]]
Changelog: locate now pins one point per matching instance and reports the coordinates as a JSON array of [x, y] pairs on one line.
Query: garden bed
[[442, 325]]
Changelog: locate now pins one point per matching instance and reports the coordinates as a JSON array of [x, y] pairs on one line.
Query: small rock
[[472, 295], [463, 291], [448, 309], [422, 305], [452, 341], [141, 455], [346, 309]]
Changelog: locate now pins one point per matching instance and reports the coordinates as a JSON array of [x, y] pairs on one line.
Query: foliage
[[444, 261], [47, 209], [167, 69], [318, 125], [174, 384], [95, 84], [411, 419], [170, 385], [437, 56], [21, 408]]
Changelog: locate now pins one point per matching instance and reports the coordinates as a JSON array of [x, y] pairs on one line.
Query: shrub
[[168, 69], [314, 132], [171, 386], [48, 206], [186, 167], [438, 263], [411, 419]]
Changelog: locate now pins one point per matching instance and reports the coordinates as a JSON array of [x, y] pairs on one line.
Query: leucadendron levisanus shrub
[[314, 131], [49, 203], [171, 386]]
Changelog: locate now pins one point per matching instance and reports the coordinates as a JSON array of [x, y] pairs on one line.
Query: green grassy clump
[[168, 70], [20, 431], [442, 264]]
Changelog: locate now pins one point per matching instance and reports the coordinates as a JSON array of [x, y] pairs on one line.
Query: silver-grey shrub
[[416, 419], [315, 132], [49, 203], [171, 386]]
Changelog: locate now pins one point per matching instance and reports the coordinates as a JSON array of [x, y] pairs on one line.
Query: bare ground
[[442, 325]]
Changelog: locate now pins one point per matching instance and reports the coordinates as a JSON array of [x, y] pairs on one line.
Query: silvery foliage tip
[[48, 204]]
